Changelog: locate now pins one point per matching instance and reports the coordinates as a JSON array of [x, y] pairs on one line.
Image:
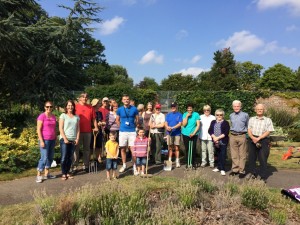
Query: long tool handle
[[94, 145], [148, 150], [190, 152]]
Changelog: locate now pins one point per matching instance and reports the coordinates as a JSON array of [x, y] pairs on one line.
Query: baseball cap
[[158, 106], [173, 104], [105, 99]]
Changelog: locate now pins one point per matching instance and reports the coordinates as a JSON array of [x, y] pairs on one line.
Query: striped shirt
[[140, 147], [260, 125]]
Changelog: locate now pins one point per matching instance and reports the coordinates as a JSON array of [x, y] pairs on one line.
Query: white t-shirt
[[157, 119], [205, 123]]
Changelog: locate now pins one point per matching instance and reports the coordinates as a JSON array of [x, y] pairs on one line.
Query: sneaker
[[49, 176], [136, 173], [142, 173], [122, 169], [216, 170], [39, 179], [223, 173], [250, 176], [233, 173], [212, 166], [242, 175], [177, 164], [203, 165]]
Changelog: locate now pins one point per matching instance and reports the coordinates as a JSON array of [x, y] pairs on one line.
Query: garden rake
[[167, 163], [146, 175], [189, 162], [93, 164]]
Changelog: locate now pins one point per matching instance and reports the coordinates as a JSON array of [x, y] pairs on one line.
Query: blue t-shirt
[[173, 118], [127, 118], [191, 124]]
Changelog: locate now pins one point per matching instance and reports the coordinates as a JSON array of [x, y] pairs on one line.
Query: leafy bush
[[278, 216], [255, 197], [281, 118]]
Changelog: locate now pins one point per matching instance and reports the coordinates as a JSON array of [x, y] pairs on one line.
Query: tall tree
[[278, 77], [223, 74], [248, 75], [45, 55], [178, 82], [148, 83]]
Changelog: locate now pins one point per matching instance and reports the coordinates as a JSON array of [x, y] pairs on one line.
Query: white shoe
[[122, 169], [136, 173], [142, 173], [223, 173], [177, 164], [39, 179], [216, 170]]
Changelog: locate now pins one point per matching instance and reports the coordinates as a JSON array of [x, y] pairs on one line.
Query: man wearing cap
[[127, 119], [173, 126], [104, 109], [87, 117], [157, 125], [238, 141]]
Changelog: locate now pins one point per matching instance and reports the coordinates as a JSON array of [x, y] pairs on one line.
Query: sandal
[[63, 177], [70, 176]]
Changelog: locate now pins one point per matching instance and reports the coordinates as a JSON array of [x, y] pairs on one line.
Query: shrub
[[255, 197], [281, 118], [278, 216]]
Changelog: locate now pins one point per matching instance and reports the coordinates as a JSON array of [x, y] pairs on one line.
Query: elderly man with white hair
[[238, 141], [259, 129]]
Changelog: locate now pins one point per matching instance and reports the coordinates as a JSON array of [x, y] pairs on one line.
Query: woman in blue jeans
[[46, 124], [219, 131], [69, 135]]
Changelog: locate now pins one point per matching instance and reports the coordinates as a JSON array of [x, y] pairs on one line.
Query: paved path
[[21, 190]]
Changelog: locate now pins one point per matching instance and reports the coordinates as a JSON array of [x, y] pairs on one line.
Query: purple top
[[48, 126]]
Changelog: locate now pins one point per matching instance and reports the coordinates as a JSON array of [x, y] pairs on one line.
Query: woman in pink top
[[46, 123]]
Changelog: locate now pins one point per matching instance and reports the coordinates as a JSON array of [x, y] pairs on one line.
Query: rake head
[[93, 167]]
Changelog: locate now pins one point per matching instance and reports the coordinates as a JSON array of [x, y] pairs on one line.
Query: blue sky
[[156, 38]]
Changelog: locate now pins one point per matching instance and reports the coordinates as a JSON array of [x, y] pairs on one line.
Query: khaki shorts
[[173, 140], [127, 139]]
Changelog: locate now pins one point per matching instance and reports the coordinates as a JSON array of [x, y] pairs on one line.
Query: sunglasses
[[206, 110], [49, 106], [219, 114]]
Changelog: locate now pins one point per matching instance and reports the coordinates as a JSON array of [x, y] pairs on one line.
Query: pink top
[[140, 147], [48, 126]]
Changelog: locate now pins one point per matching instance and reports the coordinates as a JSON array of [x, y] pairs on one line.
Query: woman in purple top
[[46, 124]]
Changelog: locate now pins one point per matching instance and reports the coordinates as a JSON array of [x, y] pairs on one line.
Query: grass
[[195, 199]]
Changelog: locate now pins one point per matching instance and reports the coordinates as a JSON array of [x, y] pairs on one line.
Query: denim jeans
[[111, 164], [221, 154], [47, 154], [67, 151], [141, 161]]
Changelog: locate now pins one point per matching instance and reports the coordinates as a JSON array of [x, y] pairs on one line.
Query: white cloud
[[291, 28], [273, 47], [242, 42], [195, 59], [195, 71], [181, 34], [292, 5], [152, 57], [110, 26]]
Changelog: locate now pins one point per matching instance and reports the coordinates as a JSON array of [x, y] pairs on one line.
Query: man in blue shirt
[[173, 127], [127, 119], [238, 141]]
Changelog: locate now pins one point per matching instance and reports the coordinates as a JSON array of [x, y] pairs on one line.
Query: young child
[[140, 151], [112, 152]]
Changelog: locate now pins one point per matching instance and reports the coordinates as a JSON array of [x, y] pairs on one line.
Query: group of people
[[127, 129]]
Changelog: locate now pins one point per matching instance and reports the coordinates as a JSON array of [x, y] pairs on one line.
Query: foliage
[[278, 216], [220, 99], [18, 154], [248, 75], [281, 117], [43, 54], [148, 83], [278, 77], [255, 197], [178, 82]]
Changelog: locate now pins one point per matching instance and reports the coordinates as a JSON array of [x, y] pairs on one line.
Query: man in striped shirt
[[259, 129]]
